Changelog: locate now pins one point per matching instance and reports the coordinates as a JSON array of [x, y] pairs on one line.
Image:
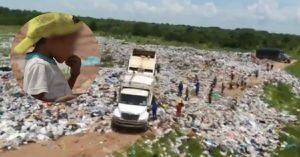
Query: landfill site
[[220, 96]]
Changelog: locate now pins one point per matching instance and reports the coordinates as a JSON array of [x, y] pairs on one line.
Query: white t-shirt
[[42, 76]]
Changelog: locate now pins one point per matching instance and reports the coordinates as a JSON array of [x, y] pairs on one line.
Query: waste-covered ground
[[249, 127]]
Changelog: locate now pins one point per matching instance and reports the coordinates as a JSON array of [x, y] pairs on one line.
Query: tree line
[[211, 37]]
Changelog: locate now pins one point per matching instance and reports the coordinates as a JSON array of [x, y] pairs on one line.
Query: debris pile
[[25, 119], [247, 126]]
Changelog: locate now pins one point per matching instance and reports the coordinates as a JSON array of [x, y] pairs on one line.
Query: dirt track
[[88, 145]]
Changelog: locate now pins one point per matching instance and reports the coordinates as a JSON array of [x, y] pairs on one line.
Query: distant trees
[[15, 17], [92, 25], [213, 37]]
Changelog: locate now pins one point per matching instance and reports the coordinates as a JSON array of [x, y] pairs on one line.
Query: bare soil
[[87, 145], [237, 92]]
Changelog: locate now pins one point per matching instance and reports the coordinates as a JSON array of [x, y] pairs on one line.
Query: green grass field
[[162, 147], [9, 29], [294, 69], [282, 98], [6, 33]]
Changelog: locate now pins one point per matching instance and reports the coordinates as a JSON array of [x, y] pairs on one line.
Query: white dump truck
[[136, 92]]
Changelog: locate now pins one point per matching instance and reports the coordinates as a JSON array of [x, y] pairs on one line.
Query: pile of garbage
[[247, 128], [25, 119]]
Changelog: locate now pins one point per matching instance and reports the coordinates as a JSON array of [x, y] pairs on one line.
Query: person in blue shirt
[[154, 108], [197, 87], [180, 88]]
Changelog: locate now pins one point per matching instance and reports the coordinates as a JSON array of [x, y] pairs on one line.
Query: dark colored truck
[[273, 54]]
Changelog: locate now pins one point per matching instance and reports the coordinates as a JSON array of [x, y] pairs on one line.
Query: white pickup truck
[[136, 92]]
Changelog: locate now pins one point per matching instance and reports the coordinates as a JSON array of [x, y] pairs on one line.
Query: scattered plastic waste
[[249, 129]]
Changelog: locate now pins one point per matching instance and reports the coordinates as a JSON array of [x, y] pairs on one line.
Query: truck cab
[[283, 57], [136, 92], [273, 54]]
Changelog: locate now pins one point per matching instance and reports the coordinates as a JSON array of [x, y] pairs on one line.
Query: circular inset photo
[[55, 57]]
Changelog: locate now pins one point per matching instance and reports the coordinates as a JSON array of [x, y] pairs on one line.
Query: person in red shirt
[[179, 108]]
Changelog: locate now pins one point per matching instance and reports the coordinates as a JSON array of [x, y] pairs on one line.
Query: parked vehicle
[[273, 54], [136, 92]]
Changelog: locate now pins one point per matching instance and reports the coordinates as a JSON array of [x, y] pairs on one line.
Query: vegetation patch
[[281, 97], [294, 69], [148, 146], [8, 29]]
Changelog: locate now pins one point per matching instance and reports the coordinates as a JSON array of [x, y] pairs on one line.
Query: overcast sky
[[281, 16]]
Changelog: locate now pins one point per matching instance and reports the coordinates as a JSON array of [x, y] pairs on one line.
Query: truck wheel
[[114, 127], [145, 128]]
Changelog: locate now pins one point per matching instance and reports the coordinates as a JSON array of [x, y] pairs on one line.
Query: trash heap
[[24, 119], [249, 128]]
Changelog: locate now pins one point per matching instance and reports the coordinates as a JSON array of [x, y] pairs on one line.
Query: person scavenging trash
[[196, 79], [210, 96], [271, 66], [179, 108], [231, 76], [231, 85], [244, 82], [180, 88], [234, 103], [238, 81], [256, 73], [53, 36], [154, 108], [115, 95], [197, 85], [222, 88], [187, 94], [157, 67], [214, 83]]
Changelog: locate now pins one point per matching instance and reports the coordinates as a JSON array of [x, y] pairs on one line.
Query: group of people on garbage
[[236, 79]]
